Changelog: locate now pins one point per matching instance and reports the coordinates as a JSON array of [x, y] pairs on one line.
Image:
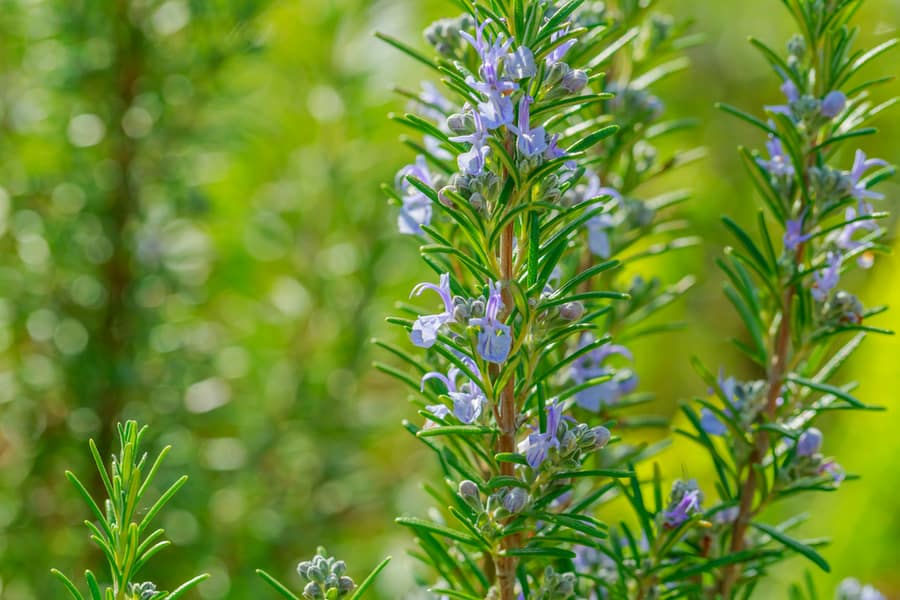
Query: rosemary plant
[[126, 540], [525, 193], [787, 282]]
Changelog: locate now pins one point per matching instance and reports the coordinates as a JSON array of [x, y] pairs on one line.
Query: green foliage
[[125, 539]]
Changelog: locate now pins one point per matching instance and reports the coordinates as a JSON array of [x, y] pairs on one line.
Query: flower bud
[[313, 591], [515, 500], [346, 585], [810, 442], [571, 311], [461, 123], [574, 81], [469, 492], [796, 46], [303, 569], [339, 568], [833, 104], [601, 436]]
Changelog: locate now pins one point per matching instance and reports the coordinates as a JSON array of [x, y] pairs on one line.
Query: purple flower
[[600, 225], [468, 399], [859, 191], [438, 410], [433, 104], [685, 501], [810, 442], [497, 109], [845, 239], [833, 104], [711, 423], [590, 366], [560, 51], [790, 91], [425, 329], [833, 469], [494, 339], [530, 142], [538, 445], [826, 279], [472, 161], [793, 235], [779, 163], [416, 209]]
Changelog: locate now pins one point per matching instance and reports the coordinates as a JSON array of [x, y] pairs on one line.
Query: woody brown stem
[[731, 573], [506, 565]]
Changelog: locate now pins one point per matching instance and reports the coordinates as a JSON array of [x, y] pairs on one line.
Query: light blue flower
[[425, 329], [826, 279], [790, 91], [538, 445], [779, 163], [810, 442], [685, 501], [529, 142], [793, 234], [468, 398], [472, 162], [833, 104], [494, 339], [416, 210], [591, 366]]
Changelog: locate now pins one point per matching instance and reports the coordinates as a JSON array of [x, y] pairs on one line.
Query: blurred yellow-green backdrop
[[192, 234]]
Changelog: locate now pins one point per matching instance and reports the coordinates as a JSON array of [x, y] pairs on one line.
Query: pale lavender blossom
[[438, 410], [590, 366], [494, 339], [709, 421], [790, 91], [468, 398], [711, 424], [434, 105], [793, 234], [425, 329], [472, 161], [860, 165], [416, 209], [833, 104], [686, 498], [557, 54], [834, 470], [810, 442], [497, 109], [826, 279], [600, 225], [779, 163], [846, 241], [537, 445], [530, 142]]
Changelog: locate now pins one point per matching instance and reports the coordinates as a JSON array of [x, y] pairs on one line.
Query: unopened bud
[[574, 81], [571, 311], [515, 500]]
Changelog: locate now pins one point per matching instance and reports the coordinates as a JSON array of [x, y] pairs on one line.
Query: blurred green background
[[192, 235]]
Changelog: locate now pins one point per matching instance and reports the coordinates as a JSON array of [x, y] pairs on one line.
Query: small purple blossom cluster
[[493, 337], [592, 365], [563, 442], [684, 502]]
